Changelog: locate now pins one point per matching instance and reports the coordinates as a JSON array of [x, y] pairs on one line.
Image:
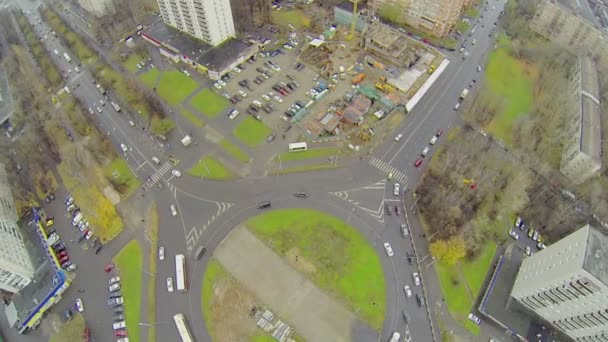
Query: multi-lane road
[[209, 210]]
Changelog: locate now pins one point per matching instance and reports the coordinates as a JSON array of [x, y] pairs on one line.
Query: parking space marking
[[386, 168], [158, 175]]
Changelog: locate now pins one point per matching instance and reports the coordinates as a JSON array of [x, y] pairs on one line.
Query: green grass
[[305, 168], [472, 12], [308, 154], [130, 263], [174, 86], [119, 173], [261, 337], [251, 131], [70, 330], [210, 168], [452, 278], [296, 18], [234, 151], [214, 272], [149, 77], [193, 118], [209, 103], [462, 27], [131, 62], [345, 264], [508, 78]]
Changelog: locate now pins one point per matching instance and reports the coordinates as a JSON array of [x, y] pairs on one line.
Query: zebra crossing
[[386, 168], [158, 175]]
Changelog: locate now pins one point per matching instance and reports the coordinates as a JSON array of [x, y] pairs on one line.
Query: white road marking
[[158, 175], [386, 168]]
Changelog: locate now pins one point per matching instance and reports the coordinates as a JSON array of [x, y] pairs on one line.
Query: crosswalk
[[158, 175], [386, 168]]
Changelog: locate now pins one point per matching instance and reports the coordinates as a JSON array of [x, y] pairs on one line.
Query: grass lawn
[[149, 77], [472, 12], [210, 168], [452, 280], [234, 151], [308, 154], [514, 81], [209, 103], [174, 86], [353, 275], [119, 173], [70, 329], [215, 272], [296, 18], [262, 337], [251, 131], [193, 118], [130, 263], [131, 62]]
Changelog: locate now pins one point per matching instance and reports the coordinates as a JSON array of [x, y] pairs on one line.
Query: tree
[[438, 249], [390, 12], [456, 250]]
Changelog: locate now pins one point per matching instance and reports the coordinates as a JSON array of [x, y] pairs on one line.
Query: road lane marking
[[158, 174], [386, 168]]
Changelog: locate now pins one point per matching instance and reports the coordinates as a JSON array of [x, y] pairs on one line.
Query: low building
[[388, 44], [581, 154], [181, 47], [343, 15], [6, 103]]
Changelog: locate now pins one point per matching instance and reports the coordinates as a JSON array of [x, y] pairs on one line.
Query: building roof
[[222, 55], [591, 132], [348, 6], [581, 7], [6, 101], [596, 254]]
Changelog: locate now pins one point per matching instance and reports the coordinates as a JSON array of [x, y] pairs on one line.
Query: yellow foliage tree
[[438, 249], [449, 251]]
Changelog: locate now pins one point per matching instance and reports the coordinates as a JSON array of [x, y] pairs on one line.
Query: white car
[[242, 93], [265, 97], [173, 210], [388, 249], [217, 85], [71, 268], [398, 137], [161, 253], [123, 147], [513, 234], [119, 325], [396, 189], [433, 140], [98, 110], [408, 291], [221, 83], [114, 287], [233, 114], [79, 305], [169, 284], [278, 99], [474, 318], [89, 235], [416, 277], [395, 338], [114, 280], [528, 251], [176, 173], [425, 151]]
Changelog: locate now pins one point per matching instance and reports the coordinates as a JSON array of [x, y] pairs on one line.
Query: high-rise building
[[581, 153], [16, 270], [434, 16], [97, 7], [208, 20], [566, 284]]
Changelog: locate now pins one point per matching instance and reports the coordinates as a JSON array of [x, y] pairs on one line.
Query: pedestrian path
[[386, 168], [158, 175]]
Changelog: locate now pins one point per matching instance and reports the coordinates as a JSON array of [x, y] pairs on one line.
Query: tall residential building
[[437, 17], [566, 284], [581, 154], [97, 7], [208, 20], [16, 270]]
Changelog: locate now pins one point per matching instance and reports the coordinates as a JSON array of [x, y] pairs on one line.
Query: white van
[[77, 219], [155, 160]]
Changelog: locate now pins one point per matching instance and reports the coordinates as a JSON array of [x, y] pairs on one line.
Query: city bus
[[299, 146], [182, 328], [180, 272]]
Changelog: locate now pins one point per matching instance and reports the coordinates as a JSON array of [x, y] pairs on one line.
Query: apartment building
[[566, 284], [208, 20], [437, 17], [581, 153], [572, 25], [97, 7], [16, 270]]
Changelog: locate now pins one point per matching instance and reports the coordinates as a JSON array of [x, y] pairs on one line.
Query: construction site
[[371, 71]]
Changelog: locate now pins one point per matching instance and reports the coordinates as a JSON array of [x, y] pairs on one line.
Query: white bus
[[300, 146], [182, 328], [180, 272]]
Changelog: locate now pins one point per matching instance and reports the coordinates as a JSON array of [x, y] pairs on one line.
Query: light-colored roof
[[591, 131]]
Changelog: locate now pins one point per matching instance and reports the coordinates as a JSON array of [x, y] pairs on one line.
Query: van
[[457, 106], [67, 89], [119, 325], [77, 219], [200, 252], [155, 160]]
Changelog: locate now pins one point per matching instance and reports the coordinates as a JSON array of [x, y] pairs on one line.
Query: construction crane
[[353, 24]]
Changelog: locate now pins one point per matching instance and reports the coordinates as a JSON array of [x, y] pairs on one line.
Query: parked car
[[416, 277], [388, 249], [115, 301], [118, 318], [404, 230], [114, 287], [433, 140], [474, 318], [114, 280], [161, 253], [408, 291], [513, 234], [410, 258], [173, 210], [79, 305], [169, 284], [398, 137]]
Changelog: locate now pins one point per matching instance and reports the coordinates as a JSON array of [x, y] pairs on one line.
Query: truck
[[358, 78], [115, 106], [464, 93], [67, 57], [186, 140]]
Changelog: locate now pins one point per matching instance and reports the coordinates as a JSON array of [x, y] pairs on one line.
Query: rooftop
[[596, 254], [220, 56], [581, 7], [348, 6], [591, 131], [6, 103]]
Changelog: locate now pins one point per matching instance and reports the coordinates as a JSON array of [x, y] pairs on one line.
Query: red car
[[87, 335], [109, 268], [439, 133], [418, 162], [120, 333], [64, 259], [63, 254]]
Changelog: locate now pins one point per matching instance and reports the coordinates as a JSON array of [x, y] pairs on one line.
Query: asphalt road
[[209, 210]]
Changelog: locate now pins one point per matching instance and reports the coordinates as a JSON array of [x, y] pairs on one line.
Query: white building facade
[[567, 285], [208, 20], [16, 270]]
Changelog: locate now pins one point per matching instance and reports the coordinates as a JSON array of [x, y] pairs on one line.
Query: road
[[223, 205]]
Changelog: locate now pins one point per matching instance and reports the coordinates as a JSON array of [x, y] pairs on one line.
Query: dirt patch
[[231, 310], [297, 261], [111, 195]]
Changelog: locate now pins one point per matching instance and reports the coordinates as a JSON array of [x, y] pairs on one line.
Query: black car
[[410, 258], [116, 294], [119, 310], [419, 300], [405, 317], [67, 315], [300, 194], [264, 205]]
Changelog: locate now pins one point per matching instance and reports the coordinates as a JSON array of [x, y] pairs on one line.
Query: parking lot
[[251, 92]]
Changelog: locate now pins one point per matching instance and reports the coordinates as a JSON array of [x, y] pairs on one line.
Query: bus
[[182, 328], [180, 272], [300, 146]]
